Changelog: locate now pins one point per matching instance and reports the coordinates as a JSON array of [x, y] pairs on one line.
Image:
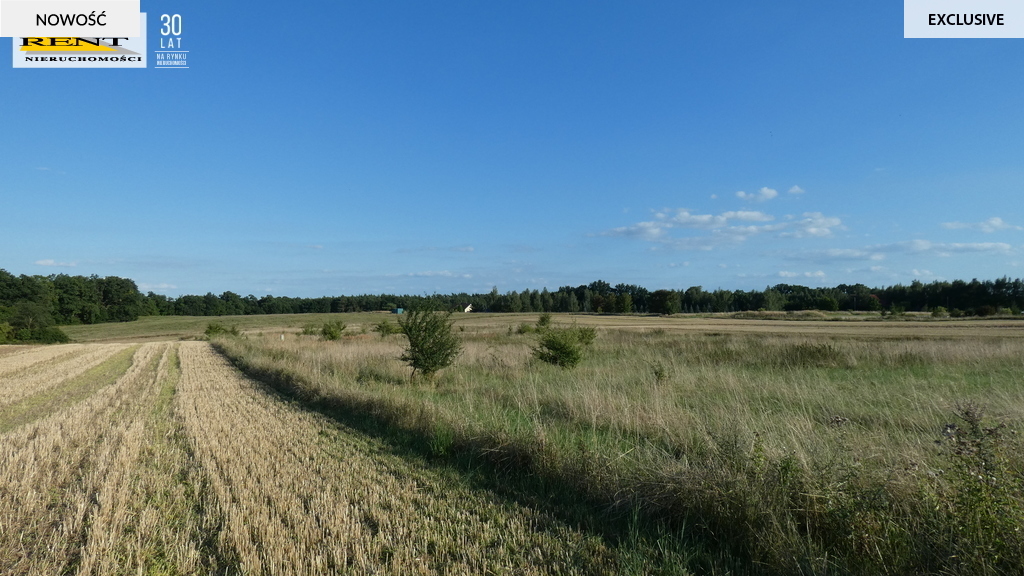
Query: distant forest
[[31, 306]]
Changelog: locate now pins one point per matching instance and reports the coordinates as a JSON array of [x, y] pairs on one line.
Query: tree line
[[32, 306]]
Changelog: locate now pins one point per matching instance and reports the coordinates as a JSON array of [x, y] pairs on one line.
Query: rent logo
[[74, 52]]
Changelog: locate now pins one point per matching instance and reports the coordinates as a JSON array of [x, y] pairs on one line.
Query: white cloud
[[796, 190], [440, 273], [991, 225], [657, 230], [834, 254], [813, 225], [727, 228], [943, 248], [644, 230], [437, 249], [761, 195], [748, 216], [146, 287], [815, 274], [51, 262]]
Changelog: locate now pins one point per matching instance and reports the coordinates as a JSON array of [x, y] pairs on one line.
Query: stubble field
[[177, 464], [719, 446]]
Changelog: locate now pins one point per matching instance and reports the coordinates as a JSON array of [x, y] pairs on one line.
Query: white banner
[[963, 18], [67, 18]]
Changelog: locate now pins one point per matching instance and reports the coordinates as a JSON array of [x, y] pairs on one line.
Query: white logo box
[[21, 18]]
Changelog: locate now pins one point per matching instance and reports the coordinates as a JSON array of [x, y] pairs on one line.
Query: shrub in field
[[544, 321], [432, 344], [45, 335], [985, 498], [310, 330], [385, 328], [50, 335], [525, 328], [332, 330], [985, 310], [217, 329], [563, 346], [940, 312]]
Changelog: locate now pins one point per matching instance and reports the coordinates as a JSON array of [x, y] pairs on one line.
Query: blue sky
[[363, 147]]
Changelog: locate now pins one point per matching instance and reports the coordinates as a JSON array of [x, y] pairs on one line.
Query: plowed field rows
[[174, 463]]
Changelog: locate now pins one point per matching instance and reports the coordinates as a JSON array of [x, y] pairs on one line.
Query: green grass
[[766, 453]]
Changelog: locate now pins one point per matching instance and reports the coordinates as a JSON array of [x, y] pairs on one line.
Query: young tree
[[432, 343], [563, 346]]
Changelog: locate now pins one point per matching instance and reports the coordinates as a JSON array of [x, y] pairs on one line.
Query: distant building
[[398, 310]]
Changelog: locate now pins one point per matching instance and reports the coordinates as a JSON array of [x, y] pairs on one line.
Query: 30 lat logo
[[172, 54]]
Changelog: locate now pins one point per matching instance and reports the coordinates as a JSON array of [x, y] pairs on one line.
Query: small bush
[[661, 372], [432, 344], [985, 310], [45, 335], [525, 328], [563, 346], [217, 329], [544, 320], [385, 328], [333, 330], [584, 334], [311, 330], [51, 335], [984, 494], [940, 312]]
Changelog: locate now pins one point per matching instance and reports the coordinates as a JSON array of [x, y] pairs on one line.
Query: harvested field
[[47, 373], [677, 446], [19, 358], [174, 463]]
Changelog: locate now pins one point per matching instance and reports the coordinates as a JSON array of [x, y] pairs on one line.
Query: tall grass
[[777, 454]]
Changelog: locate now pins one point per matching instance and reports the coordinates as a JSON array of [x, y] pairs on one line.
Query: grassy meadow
[[777, 444], [839, 448]]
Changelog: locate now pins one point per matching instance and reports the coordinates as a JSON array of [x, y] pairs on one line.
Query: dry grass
[[176, 464], [55, 469], [794, 452], [49, 373], [19, 358], [813, 447], [304, 497]]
